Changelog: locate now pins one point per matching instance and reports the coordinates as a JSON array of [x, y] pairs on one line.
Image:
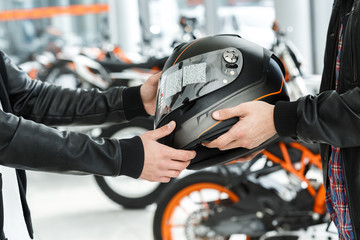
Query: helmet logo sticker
[[191, 74], [173, 83], [194, 74]]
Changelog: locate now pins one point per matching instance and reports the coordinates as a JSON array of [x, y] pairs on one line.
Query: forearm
[[53, 105], [31, 146], [329, 117]]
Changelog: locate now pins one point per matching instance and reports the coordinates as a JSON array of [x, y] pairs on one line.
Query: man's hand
[[162, 162], [255, 126], [148, 93]]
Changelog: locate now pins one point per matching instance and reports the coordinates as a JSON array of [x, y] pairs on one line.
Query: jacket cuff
[[285, 118], [133, 105], [132, 152]]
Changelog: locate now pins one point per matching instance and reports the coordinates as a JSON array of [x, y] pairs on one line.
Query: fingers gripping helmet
[[209, 74]]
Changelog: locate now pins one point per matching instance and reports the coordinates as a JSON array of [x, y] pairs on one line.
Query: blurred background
[[150, 27], [59, 41]]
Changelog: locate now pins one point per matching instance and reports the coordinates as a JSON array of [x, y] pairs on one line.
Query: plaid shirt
[[336, 199]]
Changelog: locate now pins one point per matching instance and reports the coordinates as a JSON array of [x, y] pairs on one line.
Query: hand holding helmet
[[162, 162], [254, 127], [148, 93]]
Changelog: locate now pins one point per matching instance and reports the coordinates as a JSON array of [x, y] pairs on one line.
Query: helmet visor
[[195, 77]]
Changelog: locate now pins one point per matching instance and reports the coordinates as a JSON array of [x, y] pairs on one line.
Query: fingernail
[[216, 114], [171, 124]]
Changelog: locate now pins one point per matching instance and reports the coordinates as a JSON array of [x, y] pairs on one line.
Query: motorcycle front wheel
[[186, 203]]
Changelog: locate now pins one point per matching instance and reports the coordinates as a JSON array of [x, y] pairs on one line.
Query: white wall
[[295, 17], [124, 24], [308, 20]]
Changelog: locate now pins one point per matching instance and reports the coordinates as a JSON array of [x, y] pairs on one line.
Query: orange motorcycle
[[279, 190]]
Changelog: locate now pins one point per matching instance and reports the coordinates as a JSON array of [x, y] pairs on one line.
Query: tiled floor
[[68, 207]]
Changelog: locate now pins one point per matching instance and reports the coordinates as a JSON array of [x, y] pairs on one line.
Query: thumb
[[164, 130], [227, 113], [154, 79]]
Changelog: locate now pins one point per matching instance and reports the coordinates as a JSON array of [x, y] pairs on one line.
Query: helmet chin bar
[[209, 74], [215, 157]]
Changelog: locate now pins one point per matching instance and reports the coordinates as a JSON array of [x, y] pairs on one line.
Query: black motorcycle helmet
[[209, 74]]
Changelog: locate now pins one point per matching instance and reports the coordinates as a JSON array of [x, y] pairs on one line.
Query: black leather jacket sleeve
[[26, 143], [329, 117], [53, 105]]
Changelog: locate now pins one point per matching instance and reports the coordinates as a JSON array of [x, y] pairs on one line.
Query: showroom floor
[[73, 208]]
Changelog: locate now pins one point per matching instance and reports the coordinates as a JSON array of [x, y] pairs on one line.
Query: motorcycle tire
[[171, 204], [127, 199], [128, 192]]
